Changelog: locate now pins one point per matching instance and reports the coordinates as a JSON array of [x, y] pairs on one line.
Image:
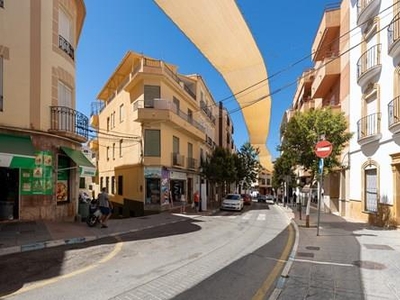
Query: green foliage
[[304, 130], [219, 167], [282, 168], [247, 165]]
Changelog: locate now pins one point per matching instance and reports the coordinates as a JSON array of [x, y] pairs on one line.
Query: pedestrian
[[105, 207], [294, 198], [196, 200]]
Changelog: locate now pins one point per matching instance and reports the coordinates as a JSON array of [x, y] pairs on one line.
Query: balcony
[[394, 39], [206, 109], [96, 108], [369, 129], [69, 123], [369, 66], [65, 46], [394, 115], [191, 163], [160, 110], [177, 160], [327, 33], [366, 10], [327, 73]]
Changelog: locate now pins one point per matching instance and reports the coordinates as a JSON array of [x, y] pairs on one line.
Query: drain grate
[[377, 247], [305, 254], [313, 248]]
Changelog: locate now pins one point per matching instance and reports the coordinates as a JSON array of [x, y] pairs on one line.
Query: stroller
[[94, 213]]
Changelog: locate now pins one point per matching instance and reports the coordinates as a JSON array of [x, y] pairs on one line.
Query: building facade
[[40, 130], [154, 126]]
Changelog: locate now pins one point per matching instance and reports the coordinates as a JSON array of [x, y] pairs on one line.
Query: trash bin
[[6, 210], [83, 210]]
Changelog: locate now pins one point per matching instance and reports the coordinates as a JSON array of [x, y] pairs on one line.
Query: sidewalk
[[20, 236], [347, 260]]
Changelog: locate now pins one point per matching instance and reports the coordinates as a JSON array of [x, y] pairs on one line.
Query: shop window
[[153, 191], [152, 143], [62, 187], [120, 185]]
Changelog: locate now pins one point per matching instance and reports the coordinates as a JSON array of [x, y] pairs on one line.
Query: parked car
[[246, 199], [232, 202], [269, 199], [261, 198]]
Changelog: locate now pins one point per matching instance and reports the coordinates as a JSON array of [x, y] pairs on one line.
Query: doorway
[[9, 194]]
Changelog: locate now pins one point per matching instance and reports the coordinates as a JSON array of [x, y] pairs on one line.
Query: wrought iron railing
[[191, 163], [65, 46], [369, 59], [369, 126], [177, 159], [65, 119], [394, 111], [363, 4], [394, 31], [207, 111]]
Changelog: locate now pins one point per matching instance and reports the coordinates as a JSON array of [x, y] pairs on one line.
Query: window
[[66, 33], [177, 104], [190, 150], [120, 185], [120, 148], [101, 182], [175, 144], [108, 153], [108, 124], [82, 183], [152, 142], [151, 92], [1, 83], [64, 95], [121, 113], [113, 151], [107, 183], [190, 116], [112, 184]]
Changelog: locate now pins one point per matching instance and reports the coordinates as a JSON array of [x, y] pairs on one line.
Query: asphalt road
[[231, 255]]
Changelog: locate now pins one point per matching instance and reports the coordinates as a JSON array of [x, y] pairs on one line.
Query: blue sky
[[283, 30]]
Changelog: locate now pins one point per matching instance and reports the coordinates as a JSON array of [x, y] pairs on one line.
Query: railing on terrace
[[369, 59], [66, 119], [362, 4], [177, 159], [369, 126], [394, 30], [207, 111], [191, 163], [96, 107], [167, 105], [65, 46], [394, 111]]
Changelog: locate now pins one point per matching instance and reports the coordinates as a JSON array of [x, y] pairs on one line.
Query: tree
[[304, 130], [247, 165], [283, 167]]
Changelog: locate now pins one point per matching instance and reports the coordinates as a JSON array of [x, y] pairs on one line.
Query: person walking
[[196, 200], [105, 207]]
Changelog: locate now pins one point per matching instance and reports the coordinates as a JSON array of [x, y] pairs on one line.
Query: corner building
[[154, 126], [40, 130]]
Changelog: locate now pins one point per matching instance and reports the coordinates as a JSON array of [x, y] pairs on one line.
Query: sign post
[[322, 149]]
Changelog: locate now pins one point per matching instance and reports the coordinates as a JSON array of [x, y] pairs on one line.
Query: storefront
[[17, 159]]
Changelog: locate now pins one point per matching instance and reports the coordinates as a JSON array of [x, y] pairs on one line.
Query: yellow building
[[40, 130], [154, 127]]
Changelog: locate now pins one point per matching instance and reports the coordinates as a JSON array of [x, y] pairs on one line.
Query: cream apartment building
[[154, 128], [40, 130], [374, 106]]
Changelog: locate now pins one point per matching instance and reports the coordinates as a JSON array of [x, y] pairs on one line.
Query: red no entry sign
[[323, 149]]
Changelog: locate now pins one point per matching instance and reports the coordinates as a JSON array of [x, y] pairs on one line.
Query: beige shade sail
[[219, 31]]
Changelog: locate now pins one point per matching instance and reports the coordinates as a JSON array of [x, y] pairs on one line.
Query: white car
[[269, 199], [232, 202]]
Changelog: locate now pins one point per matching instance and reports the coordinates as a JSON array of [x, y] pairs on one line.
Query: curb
[[285, 272]]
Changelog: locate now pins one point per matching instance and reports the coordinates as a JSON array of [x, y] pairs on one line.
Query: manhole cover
[[312, 248], [305, 254], [378, 247], [365, 264]]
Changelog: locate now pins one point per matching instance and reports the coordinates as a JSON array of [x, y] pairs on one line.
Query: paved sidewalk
[[20, 236], [347, 260]]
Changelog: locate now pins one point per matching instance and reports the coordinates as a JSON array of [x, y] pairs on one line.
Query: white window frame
[[64, 95]]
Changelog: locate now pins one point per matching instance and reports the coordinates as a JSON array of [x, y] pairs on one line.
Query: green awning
[[16, 151], [86, 168]]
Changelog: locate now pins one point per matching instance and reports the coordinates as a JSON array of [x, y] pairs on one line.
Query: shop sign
[[151, 172], [39, 179], [177, 175]]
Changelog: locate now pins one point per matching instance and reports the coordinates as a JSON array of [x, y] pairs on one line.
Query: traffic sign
[[323, 149]]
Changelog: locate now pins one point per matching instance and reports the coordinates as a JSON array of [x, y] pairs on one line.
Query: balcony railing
[[69, 121], [369, 126], [365, 10], [167, 105], [394, 112], [177, 159], [207, 111], [191, 163], [394, 32], [65, 46], [368, 60]]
